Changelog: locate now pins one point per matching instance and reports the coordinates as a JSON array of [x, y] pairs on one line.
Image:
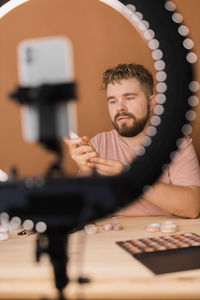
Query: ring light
[[161, 26], [55, 206]]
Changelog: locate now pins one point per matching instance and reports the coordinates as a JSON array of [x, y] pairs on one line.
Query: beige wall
[[101, 38]]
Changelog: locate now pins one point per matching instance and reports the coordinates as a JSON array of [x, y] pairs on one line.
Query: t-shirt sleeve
[[94, 141], [184, 169]]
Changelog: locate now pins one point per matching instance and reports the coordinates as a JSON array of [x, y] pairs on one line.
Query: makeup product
[[108, 227], [4, 229], [168, 227], [26, 232], [4, 236], [153, 227], [117, 227], [23, 232], [4, 219], [90, 229], [73, 135], [168, 253], [4, 233]]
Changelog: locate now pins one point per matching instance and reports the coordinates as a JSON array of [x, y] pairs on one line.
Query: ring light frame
[[175, 91]]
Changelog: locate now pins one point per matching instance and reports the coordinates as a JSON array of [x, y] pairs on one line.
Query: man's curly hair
[[127, 71]]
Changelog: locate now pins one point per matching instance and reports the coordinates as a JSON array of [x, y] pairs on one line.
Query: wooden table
[[114, 273]]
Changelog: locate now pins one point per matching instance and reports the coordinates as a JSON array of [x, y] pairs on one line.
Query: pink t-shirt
[[183, 170]]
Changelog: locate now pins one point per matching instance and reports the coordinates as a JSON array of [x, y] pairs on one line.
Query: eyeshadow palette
[[164, 254]]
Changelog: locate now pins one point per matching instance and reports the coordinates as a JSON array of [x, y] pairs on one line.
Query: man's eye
[[112, 102], [130, 98]]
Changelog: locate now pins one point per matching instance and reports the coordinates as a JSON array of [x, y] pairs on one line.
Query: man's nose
[[121, 106]]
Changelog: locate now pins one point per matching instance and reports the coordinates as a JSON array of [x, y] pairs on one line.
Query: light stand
[[45, 98], [55, 245]]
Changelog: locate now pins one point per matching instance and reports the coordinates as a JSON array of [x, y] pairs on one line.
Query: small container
[[108, 227], [117, 227], [168, 227], [4, 236], [3, 229], [90, 229], [153, 227]]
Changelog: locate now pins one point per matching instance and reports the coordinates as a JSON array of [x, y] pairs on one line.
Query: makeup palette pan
[[166, 254]]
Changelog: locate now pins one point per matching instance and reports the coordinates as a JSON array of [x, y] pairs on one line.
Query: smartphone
[[47, 60]]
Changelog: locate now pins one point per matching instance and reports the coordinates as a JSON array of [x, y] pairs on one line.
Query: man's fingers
[[85, 138], [100, 167], [75, 143], [89, 155], [105, 162], [106, 166], [84, 158], [72, 143], [83, 149], [97, 160], [103, 171]]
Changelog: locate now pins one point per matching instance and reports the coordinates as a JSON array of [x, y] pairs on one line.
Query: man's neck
[[134, 142]]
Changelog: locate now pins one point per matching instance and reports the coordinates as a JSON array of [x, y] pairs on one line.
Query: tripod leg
[[55, 245]]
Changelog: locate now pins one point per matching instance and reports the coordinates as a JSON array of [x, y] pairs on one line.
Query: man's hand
[[106, 167], [81, 151]]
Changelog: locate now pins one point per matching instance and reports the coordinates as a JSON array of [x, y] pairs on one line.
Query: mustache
[[124, 114]]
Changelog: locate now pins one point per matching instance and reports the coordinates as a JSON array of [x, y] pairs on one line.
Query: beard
[[137, 126]]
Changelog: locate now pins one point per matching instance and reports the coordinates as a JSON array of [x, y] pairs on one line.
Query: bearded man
[[129, 92]]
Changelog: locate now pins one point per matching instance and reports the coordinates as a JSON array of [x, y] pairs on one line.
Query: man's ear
[[152, 101]]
